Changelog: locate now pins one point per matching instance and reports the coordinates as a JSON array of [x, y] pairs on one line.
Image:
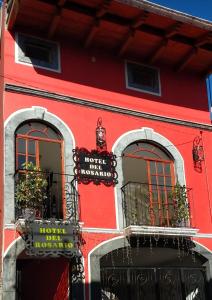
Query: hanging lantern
[[198, 152], [100, 136]]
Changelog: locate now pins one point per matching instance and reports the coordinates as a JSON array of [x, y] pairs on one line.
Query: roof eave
[[170, 13]]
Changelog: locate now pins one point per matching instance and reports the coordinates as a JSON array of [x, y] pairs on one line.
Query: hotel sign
[[94, 166], [51, 238]]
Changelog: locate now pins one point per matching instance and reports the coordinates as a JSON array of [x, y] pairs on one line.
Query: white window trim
[[57, 70], [140, 89]]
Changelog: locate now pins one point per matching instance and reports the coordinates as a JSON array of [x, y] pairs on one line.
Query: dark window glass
[[21, 161], [21, 146], [37, 129], [143, 78], [38, 52], [31, 147]]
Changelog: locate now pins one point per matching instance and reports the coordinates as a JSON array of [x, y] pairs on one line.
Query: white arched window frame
[[149, 135], [12, 123]]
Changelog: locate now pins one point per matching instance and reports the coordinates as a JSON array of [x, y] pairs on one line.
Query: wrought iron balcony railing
[[156, 205], [46, 195]]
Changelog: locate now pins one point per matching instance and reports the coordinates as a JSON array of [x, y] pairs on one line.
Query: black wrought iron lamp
[[101, 144], [198, 152]]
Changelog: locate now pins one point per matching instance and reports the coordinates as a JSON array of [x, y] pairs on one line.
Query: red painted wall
[[99, 211], [96, 76], [99, 77]]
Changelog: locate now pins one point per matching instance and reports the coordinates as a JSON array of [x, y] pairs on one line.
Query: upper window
[[39, 158], [148, 184], [143, 78], [37, 52]]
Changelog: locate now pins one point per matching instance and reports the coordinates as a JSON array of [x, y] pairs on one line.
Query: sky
[[198, 8]]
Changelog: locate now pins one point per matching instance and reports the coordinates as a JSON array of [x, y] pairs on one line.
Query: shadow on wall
[[100, 69]]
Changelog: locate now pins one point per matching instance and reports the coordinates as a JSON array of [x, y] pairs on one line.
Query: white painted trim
[[206, 248], [145, 134], [163, 231], [110, 231], [140, 89], [89, 259], [102, 230], [37, 113], [58, 70], [11, 245]]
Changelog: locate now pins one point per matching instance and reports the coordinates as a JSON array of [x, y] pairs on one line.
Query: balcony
[[46, 195], [157, 209]]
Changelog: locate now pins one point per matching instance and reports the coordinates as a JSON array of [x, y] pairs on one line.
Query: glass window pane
[[31, 147], [21, 146], [153, 180], [147, 150], [168, 181], [23, 129], [161, 180], [38, 126], [38, 134], [152, 167], [167, 169], [53, 134], [160, 168], [21, 161], [32, 159]]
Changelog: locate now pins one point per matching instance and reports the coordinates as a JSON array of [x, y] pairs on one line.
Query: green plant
[[179, 196], [31, 188]]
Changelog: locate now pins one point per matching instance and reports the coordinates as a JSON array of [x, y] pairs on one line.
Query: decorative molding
[[11, 124], [110, 231], [167, 231], [102, 230], [59, 97], [145, 134]]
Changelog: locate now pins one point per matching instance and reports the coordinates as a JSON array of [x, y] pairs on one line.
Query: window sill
[[161, 231]]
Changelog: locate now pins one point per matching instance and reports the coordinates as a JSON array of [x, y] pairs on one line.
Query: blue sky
[[198, 8]]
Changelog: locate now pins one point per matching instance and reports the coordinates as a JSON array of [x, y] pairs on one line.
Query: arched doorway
[[158, 273], [42, 278]]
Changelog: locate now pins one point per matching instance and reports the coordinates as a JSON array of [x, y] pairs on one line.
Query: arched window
[[39, 145], [149, 178]]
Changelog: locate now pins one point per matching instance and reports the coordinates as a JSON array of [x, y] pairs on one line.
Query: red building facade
[[140, 69]]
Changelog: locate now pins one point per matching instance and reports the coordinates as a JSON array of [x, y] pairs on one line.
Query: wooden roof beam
[[162, 45], [172, 30], [126, 41], [56, 18], [139, 20], [206, 38], [94, 28], [158, 51], [186, 59], [132, 30], [102, 10], [15, 5]]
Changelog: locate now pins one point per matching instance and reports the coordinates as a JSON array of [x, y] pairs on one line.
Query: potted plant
[[179, 196], [31, 190]]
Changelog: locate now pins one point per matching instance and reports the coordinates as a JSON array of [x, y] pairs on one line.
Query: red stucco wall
[[99, 77]]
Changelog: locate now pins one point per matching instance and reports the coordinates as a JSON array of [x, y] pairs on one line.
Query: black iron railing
[[56, 197], [156, 205]]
